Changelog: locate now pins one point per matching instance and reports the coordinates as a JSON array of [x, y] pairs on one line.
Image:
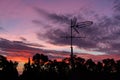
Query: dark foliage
[[8, 69], [44, 69]]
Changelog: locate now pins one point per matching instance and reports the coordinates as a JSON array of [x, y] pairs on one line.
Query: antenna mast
[[73, 26]]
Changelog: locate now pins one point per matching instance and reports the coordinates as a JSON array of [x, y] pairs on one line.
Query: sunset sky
[[36, 26]]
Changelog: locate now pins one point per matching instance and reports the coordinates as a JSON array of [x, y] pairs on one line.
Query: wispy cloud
[[20, 49], [56, 18], [23, 39], [103, 34]]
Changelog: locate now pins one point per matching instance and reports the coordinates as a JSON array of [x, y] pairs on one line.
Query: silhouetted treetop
[[39, 58], [8, 69]]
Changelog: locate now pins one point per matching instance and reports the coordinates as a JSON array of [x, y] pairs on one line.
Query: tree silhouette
[[8, 69], [39, 59], [3, 62], [42, 68], [36, 58]]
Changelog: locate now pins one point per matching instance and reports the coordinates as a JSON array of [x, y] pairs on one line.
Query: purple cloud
[[103, 34], [21, 49], [16, 45]]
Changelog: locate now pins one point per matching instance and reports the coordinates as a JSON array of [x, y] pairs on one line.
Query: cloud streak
[[19, 51], [15, 49], [18, 45]]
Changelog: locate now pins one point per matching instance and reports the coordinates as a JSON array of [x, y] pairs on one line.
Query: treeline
[[42, 68]]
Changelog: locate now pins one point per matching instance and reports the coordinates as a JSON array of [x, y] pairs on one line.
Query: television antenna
[[73, 26]]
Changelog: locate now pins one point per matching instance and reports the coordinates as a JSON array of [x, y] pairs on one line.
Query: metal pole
[[71, 55]]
